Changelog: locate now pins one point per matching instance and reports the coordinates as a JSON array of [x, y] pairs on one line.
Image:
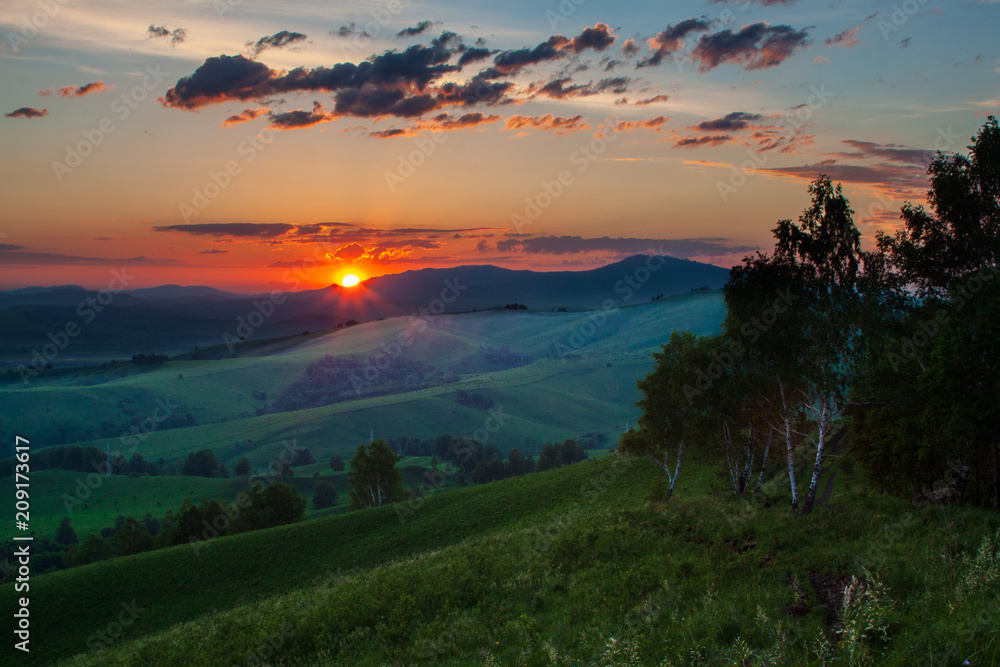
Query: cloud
[[19, 258], [300, 118], [177, 36], [440, 123], [847, 39], [418, 29], [347, 30], [10, 246], [447, 122], [245, 116], [27, 112], [669, 41], [214, 251], [890, 152], [732, 122], [278, 40], [558, 88], [597, 38], [893, 177], [630, 48], [474, 54], [391, 84], [252, 230], [558, 124], [656, 124], [652, 100], [573, 245], [381, 253], [754, 46], [708, 140], [80, 91]]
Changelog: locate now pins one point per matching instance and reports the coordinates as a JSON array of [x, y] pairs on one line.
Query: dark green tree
[[375, 481], [203, 464], [325, 496], [65, 534], [242, 467], [337, 463], [675, 405]]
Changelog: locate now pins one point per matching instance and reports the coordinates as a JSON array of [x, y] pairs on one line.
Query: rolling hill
[[172, 319]]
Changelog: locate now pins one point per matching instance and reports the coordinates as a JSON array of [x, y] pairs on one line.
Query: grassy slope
[[111, 497], [555, 564], [179, 583], [536, 396]]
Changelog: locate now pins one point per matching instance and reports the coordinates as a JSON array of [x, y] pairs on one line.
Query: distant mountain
[[181, 292], [634, 279], [171, 318]]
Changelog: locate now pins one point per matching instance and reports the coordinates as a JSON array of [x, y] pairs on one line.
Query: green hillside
[[566, 567], [594, 373]]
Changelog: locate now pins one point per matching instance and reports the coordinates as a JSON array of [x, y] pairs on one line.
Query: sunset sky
[[229, 142]]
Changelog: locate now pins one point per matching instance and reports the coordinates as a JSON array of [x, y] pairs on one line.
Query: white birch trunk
[[824, 428]]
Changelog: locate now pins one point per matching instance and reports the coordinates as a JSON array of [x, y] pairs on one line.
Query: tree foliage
[[375, 480]]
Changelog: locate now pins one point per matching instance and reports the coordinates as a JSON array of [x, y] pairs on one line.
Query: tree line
[[900, 343]]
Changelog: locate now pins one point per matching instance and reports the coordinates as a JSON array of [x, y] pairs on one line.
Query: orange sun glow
[[350, 280]]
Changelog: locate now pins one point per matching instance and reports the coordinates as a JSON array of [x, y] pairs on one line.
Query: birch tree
[[676, 396], [375, 481], [824, 249]]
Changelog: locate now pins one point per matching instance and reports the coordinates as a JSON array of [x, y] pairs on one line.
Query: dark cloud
[[19, 258], [418, 29], [473, 55], [707, 140], [10, 246], [347, 30], [176, 36], [652, 100], [671, 40], [733, 122], [300, 118], [392, 83], [563, 88], [448, 122], [890, 152], [597, 38], [278, 40], [87, 88], [572, 245], [754, 46], [28, 112], [890, 176], [394, 132], [214, 251], [231, 229]]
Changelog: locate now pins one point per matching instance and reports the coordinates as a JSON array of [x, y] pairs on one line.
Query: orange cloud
[[558, 124], [245, 116], [86, 89]]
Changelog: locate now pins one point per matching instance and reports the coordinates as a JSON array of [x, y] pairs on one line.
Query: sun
[[350, 280]]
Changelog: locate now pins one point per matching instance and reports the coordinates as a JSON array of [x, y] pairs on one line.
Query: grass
[[104, 499], [572, 566]]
